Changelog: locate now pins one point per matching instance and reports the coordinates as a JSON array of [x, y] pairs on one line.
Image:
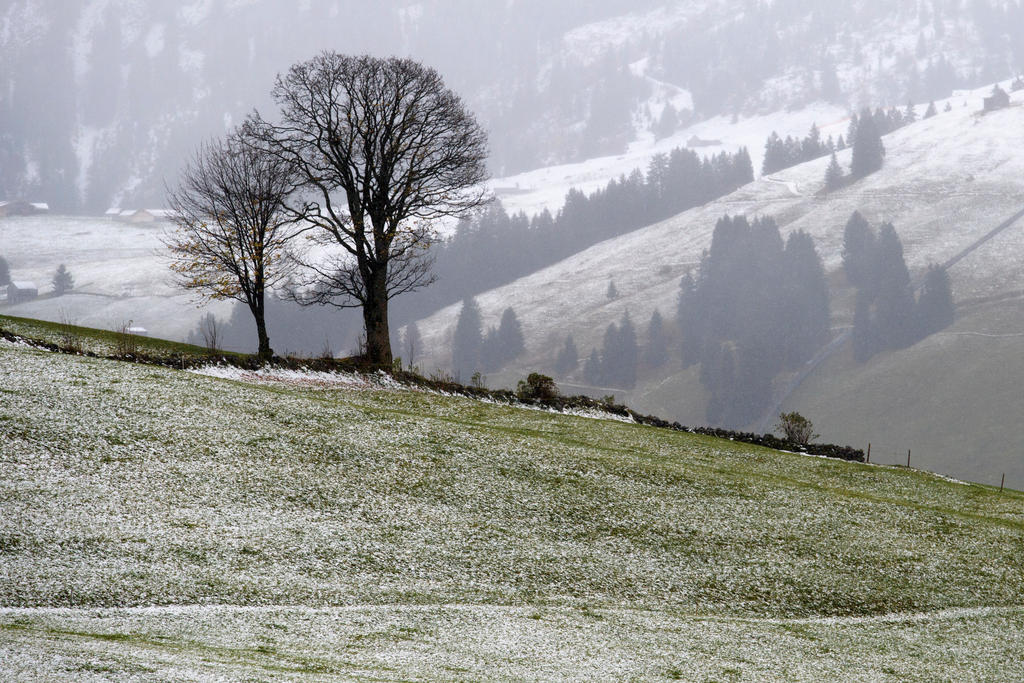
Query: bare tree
[[383, 150], [232, 234]]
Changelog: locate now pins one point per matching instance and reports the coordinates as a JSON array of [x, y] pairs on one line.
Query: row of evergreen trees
[[868, 150], [781, 154], [887, 316], [474, 350], [758, 306], [494, 248]]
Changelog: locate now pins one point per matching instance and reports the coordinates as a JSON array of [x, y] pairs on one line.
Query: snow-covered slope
[[545, 188], [946, 182], [120, 273]]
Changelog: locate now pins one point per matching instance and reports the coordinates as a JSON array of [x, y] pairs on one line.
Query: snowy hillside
[[946, 182], [120, 273]]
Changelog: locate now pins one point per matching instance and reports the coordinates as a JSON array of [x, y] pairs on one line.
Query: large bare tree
[[232, 234], [384, 150]]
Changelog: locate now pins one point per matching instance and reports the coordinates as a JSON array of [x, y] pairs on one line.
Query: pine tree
[[831, 91], [612, 293], [509, 337], [667, 123], [62, 281], [722, 384], [840, 144], [656, 351], [935, 307], [895, 306], [5, 272], [806, 317], [833, 174], [490, 351], [629, 353], [858, 251], [909, 114], [688, 321], [568, 358], [413, 345], [467, 340], [868, 149], [930, 111], [592, 373]]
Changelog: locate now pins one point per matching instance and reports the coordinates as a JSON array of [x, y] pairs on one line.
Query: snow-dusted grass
[[90, 340], [474, 642], [392, 534]]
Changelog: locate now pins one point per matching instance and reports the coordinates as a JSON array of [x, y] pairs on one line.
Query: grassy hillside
[[157, 523], [946, 182], [954, 399]]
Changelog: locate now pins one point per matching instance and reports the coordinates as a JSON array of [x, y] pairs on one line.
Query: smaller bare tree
[[232, 237], [210, 331]]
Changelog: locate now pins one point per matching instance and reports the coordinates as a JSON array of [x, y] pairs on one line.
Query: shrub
[[796, 428], [537, 386]]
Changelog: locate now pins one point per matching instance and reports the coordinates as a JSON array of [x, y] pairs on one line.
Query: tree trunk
[[375, 319], [265, 352], [259, 312]]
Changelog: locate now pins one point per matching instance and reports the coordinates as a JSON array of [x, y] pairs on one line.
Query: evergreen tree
[[935, 307], [722, 382], [830, 88], [467, 340], [62, 281], [686, 319], [895, 305], [412, 344], [612, 293], [656, 351], [490, 351], [840, 144], [5, 272], [628, 354], [667, 123], [509, 337], [833, 174], [592, 373], [567, 359], [868, 149], [743, 168], [806, 317], [930, 111], [909, 114], [858, 251]]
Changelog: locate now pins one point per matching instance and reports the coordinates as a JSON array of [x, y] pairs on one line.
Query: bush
[[537, 386], [796, 428]]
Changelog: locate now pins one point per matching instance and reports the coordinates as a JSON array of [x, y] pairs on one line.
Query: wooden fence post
[[869, 451], [908, 458]]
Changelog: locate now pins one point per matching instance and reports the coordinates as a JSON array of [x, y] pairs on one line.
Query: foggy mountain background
[[100, 101]]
